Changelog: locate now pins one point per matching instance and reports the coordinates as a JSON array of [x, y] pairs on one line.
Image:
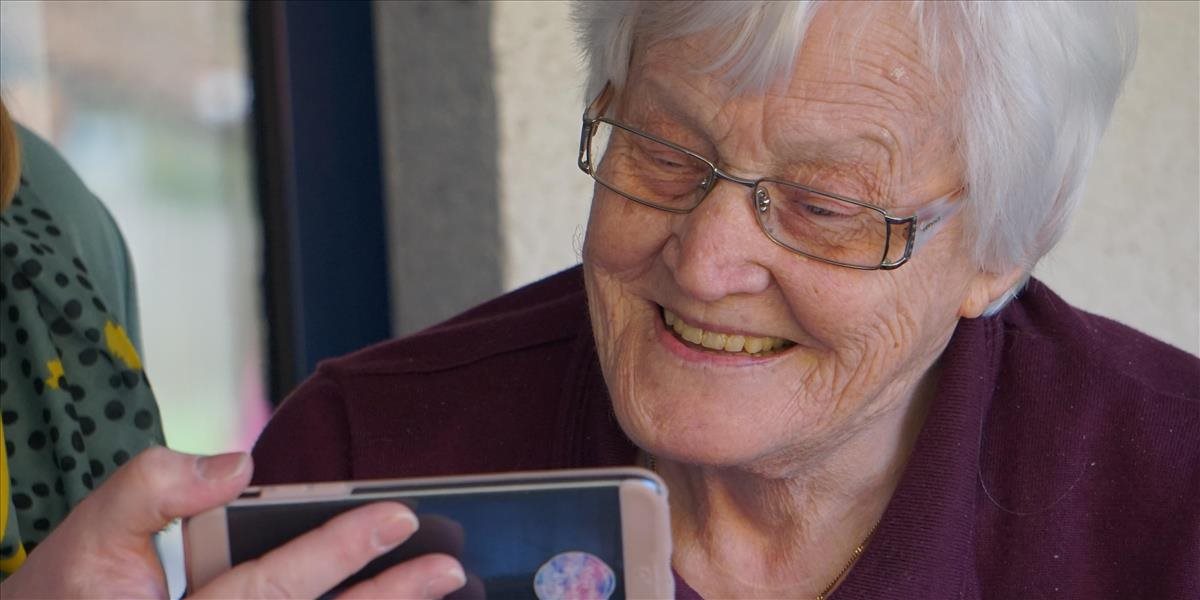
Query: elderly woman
[[804, 301]]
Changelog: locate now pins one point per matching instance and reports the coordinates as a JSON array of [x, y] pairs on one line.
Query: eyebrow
[[817, 158]]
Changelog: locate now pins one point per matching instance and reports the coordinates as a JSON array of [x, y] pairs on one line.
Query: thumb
[[104, 549], [160, 485]]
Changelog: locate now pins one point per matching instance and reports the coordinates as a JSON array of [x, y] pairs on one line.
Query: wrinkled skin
[[779, 467]]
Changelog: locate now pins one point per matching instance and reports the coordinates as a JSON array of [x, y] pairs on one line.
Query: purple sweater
[[1060, 459]]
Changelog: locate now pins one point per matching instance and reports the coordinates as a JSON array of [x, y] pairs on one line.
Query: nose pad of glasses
[[762, 199]]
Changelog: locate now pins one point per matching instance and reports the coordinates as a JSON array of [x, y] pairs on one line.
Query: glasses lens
[[646, 170], [822, 226]]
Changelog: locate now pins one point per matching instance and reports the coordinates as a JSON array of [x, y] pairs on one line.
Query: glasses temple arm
[[931, 217]]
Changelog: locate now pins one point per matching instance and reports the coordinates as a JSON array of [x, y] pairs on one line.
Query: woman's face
[[861, 121]]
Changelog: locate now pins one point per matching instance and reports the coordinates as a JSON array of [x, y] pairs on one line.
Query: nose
[[717, 249]]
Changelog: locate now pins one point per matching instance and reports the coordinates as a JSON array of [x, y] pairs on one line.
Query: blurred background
[[297, 180]]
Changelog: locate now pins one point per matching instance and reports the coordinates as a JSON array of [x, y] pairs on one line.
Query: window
[[150, 103]]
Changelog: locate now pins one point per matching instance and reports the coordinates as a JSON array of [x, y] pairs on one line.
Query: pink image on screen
[[574, 576]]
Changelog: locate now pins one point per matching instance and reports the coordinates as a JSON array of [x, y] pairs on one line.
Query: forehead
[[859, 92]]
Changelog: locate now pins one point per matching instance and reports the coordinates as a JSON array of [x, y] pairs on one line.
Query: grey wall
[[440, 150], [1133, 251]]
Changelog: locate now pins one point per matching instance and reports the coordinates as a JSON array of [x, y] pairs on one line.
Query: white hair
[[1038, 84]]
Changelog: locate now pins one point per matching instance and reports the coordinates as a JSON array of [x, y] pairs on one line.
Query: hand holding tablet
[[593, 533]]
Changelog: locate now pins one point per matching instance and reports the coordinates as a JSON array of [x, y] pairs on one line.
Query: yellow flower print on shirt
[[55, 368], [119, 344]]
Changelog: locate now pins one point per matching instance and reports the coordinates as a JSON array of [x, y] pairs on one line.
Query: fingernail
[[395, 529], [222, 466], [445, 583]]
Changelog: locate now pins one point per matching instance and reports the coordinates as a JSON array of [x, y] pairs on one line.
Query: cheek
[[869, 328], [834, 306], [615, 259], [881, 310], [914, 316], [623, 238], [621, 259]]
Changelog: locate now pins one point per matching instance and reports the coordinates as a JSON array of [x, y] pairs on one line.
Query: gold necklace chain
[[854, 556], [858, 550]]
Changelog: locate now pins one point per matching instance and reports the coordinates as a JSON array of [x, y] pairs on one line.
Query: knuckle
[[151, 468], [353, 551], [153, 456], [151, 479]]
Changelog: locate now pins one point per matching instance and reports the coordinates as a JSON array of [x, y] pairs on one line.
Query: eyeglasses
[[827, 227]]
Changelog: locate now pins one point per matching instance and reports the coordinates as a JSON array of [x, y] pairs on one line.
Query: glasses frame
[[922, 224]]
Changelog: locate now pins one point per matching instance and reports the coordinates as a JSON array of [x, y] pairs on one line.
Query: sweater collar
[[924, 546]]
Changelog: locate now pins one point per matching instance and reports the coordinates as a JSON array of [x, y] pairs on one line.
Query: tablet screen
[[550, 543]]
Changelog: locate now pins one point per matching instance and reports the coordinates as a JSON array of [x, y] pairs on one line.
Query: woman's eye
[[669, 162], [819, 211]]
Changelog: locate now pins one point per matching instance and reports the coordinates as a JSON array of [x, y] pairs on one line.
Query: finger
[[315, 562], [429, 576], [473, 590], [159, 485]]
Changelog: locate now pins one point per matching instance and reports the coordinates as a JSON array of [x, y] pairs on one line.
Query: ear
[[985, 288]]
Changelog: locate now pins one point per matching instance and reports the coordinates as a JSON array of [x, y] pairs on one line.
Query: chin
[[726, 424]]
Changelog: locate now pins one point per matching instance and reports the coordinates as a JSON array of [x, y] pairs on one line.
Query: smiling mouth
[[728, 343]]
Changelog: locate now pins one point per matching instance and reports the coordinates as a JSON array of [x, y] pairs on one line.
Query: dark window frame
[[320, 184]]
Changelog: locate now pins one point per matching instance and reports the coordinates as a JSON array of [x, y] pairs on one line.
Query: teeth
[[679, 326], [714, 341], [721, 341]]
